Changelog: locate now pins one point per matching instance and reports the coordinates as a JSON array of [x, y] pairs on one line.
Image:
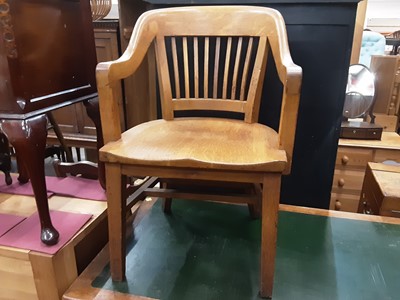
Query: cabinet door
[[385, 68], [73, 119]]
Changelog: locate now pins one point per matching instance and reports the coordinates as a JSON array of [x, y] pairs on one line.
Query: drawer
[[371, 196], [390, 207], [348, 181], [348, 157], [344, 202], [374, 133], [381, 155]]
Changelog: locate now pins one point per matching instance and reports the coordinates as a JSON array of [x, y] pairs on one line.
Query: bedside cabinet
[[380, 194], [351, 162]]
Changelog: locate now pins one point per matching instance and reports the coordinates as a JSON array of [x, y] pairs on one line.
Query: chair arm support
[[290, 75], [289, 110], [109, 74], [142, 36]]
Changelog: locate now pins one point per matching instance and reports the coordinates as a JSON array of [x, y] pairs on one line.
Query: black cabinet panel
[[320, 36]]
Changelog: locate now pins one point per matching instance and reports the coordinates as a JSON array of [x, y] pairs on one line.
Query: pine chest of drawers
[[351, 162]]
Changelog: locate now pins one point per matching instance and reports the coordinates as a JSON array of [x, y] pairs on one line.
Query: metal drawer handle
[[366, 210]]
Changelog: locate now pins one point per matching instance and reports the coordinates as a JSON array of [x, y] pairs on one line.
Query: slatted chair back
[[217, 62]]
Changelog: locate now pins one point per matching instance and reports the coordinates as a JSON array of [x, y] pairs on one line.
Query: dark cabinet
[[78, 129], [41, 64], [47, 61], [320, 36]]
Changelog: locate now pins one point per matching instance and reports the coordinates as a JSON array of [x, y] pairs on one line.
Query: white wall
[[114, 11], [383, 15]]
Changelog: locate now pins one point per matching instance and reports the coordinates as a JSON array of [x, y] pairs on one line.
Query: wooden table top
[[388, 178], [390, 140]]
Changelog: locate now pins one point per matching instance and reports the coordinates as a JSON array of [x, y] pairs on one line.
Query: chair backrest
[[372, 43], [208, 58], [395, 34], [214, 58]]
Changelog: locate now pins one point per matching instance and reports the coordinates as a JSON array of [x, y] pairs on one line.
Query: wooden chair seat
[[208, 143]]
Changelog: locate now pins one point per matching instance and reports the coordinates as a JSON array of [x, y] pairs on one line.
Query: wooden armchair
[[208, 59]]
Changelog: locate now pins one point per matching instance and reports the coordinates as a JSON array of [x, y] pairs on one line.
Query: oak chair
[[208, 59]]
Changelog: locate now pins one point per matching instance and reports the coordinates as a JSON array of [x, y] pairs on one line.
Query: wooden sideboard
[[351, 162], [387, 71]]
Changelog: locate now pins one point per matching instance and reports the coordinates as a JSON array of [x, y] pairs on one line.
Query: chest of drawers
[[380, 194], [351, 162]]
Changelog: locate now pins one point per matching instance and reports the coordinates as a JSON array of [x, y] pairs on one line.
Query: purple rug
[[26, 234]]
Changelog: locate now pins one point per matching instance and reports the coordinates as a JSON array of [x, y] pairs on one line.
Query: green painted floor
[[211, 251]]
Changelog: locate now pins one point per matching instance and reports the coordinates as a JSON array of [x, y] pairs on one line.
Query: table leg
[[5, 158], [93, 111], [28, 137]]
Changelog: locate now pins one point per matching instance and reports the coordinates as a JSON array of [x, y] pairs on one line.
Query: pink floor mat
[[8, 221], [77, 187], [69, 186], [16, 188], [26, 234]]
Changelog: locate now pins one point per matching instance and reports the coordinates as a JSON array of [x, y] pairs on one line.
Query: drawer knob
[[338, 205], [341, 182], [345, 160]]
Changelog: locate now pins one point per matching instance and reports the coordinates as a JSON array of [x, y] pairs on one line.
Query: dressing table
[[359, 146], [47, 61]]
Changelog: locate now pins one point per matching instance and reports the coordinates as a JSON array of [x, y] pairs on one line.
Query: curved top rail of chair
[[226, 18]]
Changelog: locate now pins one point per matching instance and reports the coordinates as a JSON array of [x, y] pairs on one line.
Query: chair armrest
[[290, 75], [109, 74]]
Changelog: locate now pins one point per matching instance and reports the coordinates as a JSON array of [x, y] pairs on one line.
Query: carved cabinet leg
[[23, 176], [28, 137], [93, 112]]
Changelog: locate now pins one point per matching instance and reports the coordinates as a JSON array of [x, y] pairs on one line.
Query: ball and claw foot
[[49, 236], [22, 179], [8, 178]]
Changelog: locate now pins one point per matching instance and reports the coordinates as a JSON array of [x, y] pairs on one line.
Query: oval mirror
[[360, 92]]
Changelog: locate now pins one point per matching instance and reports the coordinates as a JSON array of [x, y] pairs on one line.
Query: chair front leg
[[270, 206], [116, 221]]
